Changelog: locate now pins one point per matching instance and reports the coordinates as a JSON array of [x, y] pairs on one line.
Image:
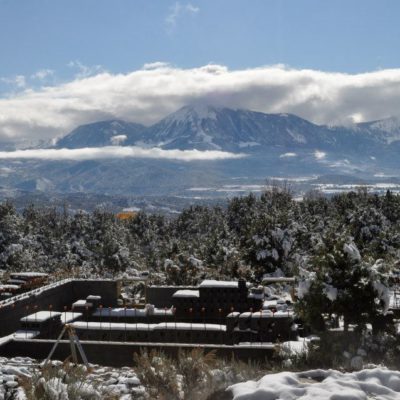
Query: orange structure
[[126, 215]]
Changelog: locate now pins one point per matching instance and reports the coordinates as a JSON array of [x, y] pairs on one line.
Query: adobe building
[[226, 315]]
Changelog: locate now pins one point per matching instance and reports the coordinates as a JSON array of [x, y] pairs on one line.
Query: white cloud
[[319, 155], [18, 81], [156, 65], [116, 152], [42, 74], [147, 95], [288, 155], [118, 139], [84, 71], [178, 10]]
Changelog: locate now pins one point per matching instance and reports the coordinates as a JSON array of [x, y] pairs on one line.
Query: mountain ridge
[[205, 127]]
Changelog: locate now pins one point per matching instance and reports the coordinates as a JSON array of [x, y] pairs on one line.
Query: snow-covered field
[[367, 384]]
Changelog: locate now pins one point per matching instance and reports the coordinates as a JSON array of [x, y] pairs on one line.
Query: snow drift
[[375, 383]]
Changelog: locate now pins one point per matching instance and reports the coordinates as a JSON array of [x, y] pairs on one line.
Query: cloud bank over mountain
[[109, 152], [148, 94]]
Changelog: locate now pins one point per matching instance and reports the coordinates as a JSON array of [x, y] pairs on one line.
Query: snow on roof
[[278, 279], [40, 316], [263, 314], [209, 283], [188, 326], [132, 312], [267, 314], [264, 345], [30, 274], [82, 303], [118, 326], [161, 311], [9, 287], [67, 317], [93, 297], [20, 334], [269, 303], [259, 296], [186, 293], [16, 281], [323, 385], [120, 312], [233, 314]]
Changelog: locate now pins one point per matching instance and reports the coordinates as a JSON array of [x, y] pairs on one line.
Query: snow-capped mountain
[[278, 145], [205, 127], [213, 128]]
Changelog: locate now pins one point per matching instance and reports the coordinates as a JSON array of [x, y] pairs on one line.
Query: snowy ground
[[119, 383], [122, 383], [378, 383]]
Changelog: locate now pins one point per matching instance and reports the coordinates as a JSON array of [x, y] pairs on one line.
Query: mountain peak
[[102, 133], [194, 112], [390, 124]]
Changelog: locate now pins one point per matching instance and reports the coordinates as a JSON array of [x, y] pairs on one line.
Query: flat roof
[[186, 293], [30, 274], [67, 317], [82, 303], [9, 287], [209, 283], [276, 279], [131, 312], [40, 316], [118, 326]]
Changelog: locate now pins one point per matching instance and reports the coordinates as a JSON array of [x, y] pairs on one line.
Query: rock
[[111, 381], [119, 388], [11, 384], [134, 381], [6, 378], [16, 371]]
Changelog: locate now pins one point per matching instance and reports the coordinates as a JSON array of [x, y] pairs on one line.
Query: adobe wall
[[117, 354], [161, 296], [58, 297], [107, 289]]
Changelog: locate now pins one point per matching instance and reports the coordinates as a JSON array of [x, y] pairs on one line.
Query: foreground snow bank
[[375, 383]]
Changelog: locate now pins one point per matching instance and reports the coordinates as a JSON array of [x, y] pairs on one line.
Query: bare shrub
[[62, 381]]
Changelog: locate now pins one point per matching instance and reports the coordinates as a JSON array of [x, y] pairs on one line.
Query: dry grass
[[192, 375], [63, 381]]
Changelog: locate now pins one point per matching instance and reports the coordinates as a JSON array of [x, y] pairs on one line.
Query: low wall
[[56, 296], [118, 354], [107, 289], [161, 296]]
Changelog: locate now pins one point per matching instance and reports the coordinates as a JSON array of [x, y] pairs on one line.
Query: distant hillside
[[99, 134]]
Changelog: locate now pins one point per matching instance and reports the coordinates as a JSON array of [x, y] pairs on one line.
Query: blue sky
[[122, 35], [64, 63]]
